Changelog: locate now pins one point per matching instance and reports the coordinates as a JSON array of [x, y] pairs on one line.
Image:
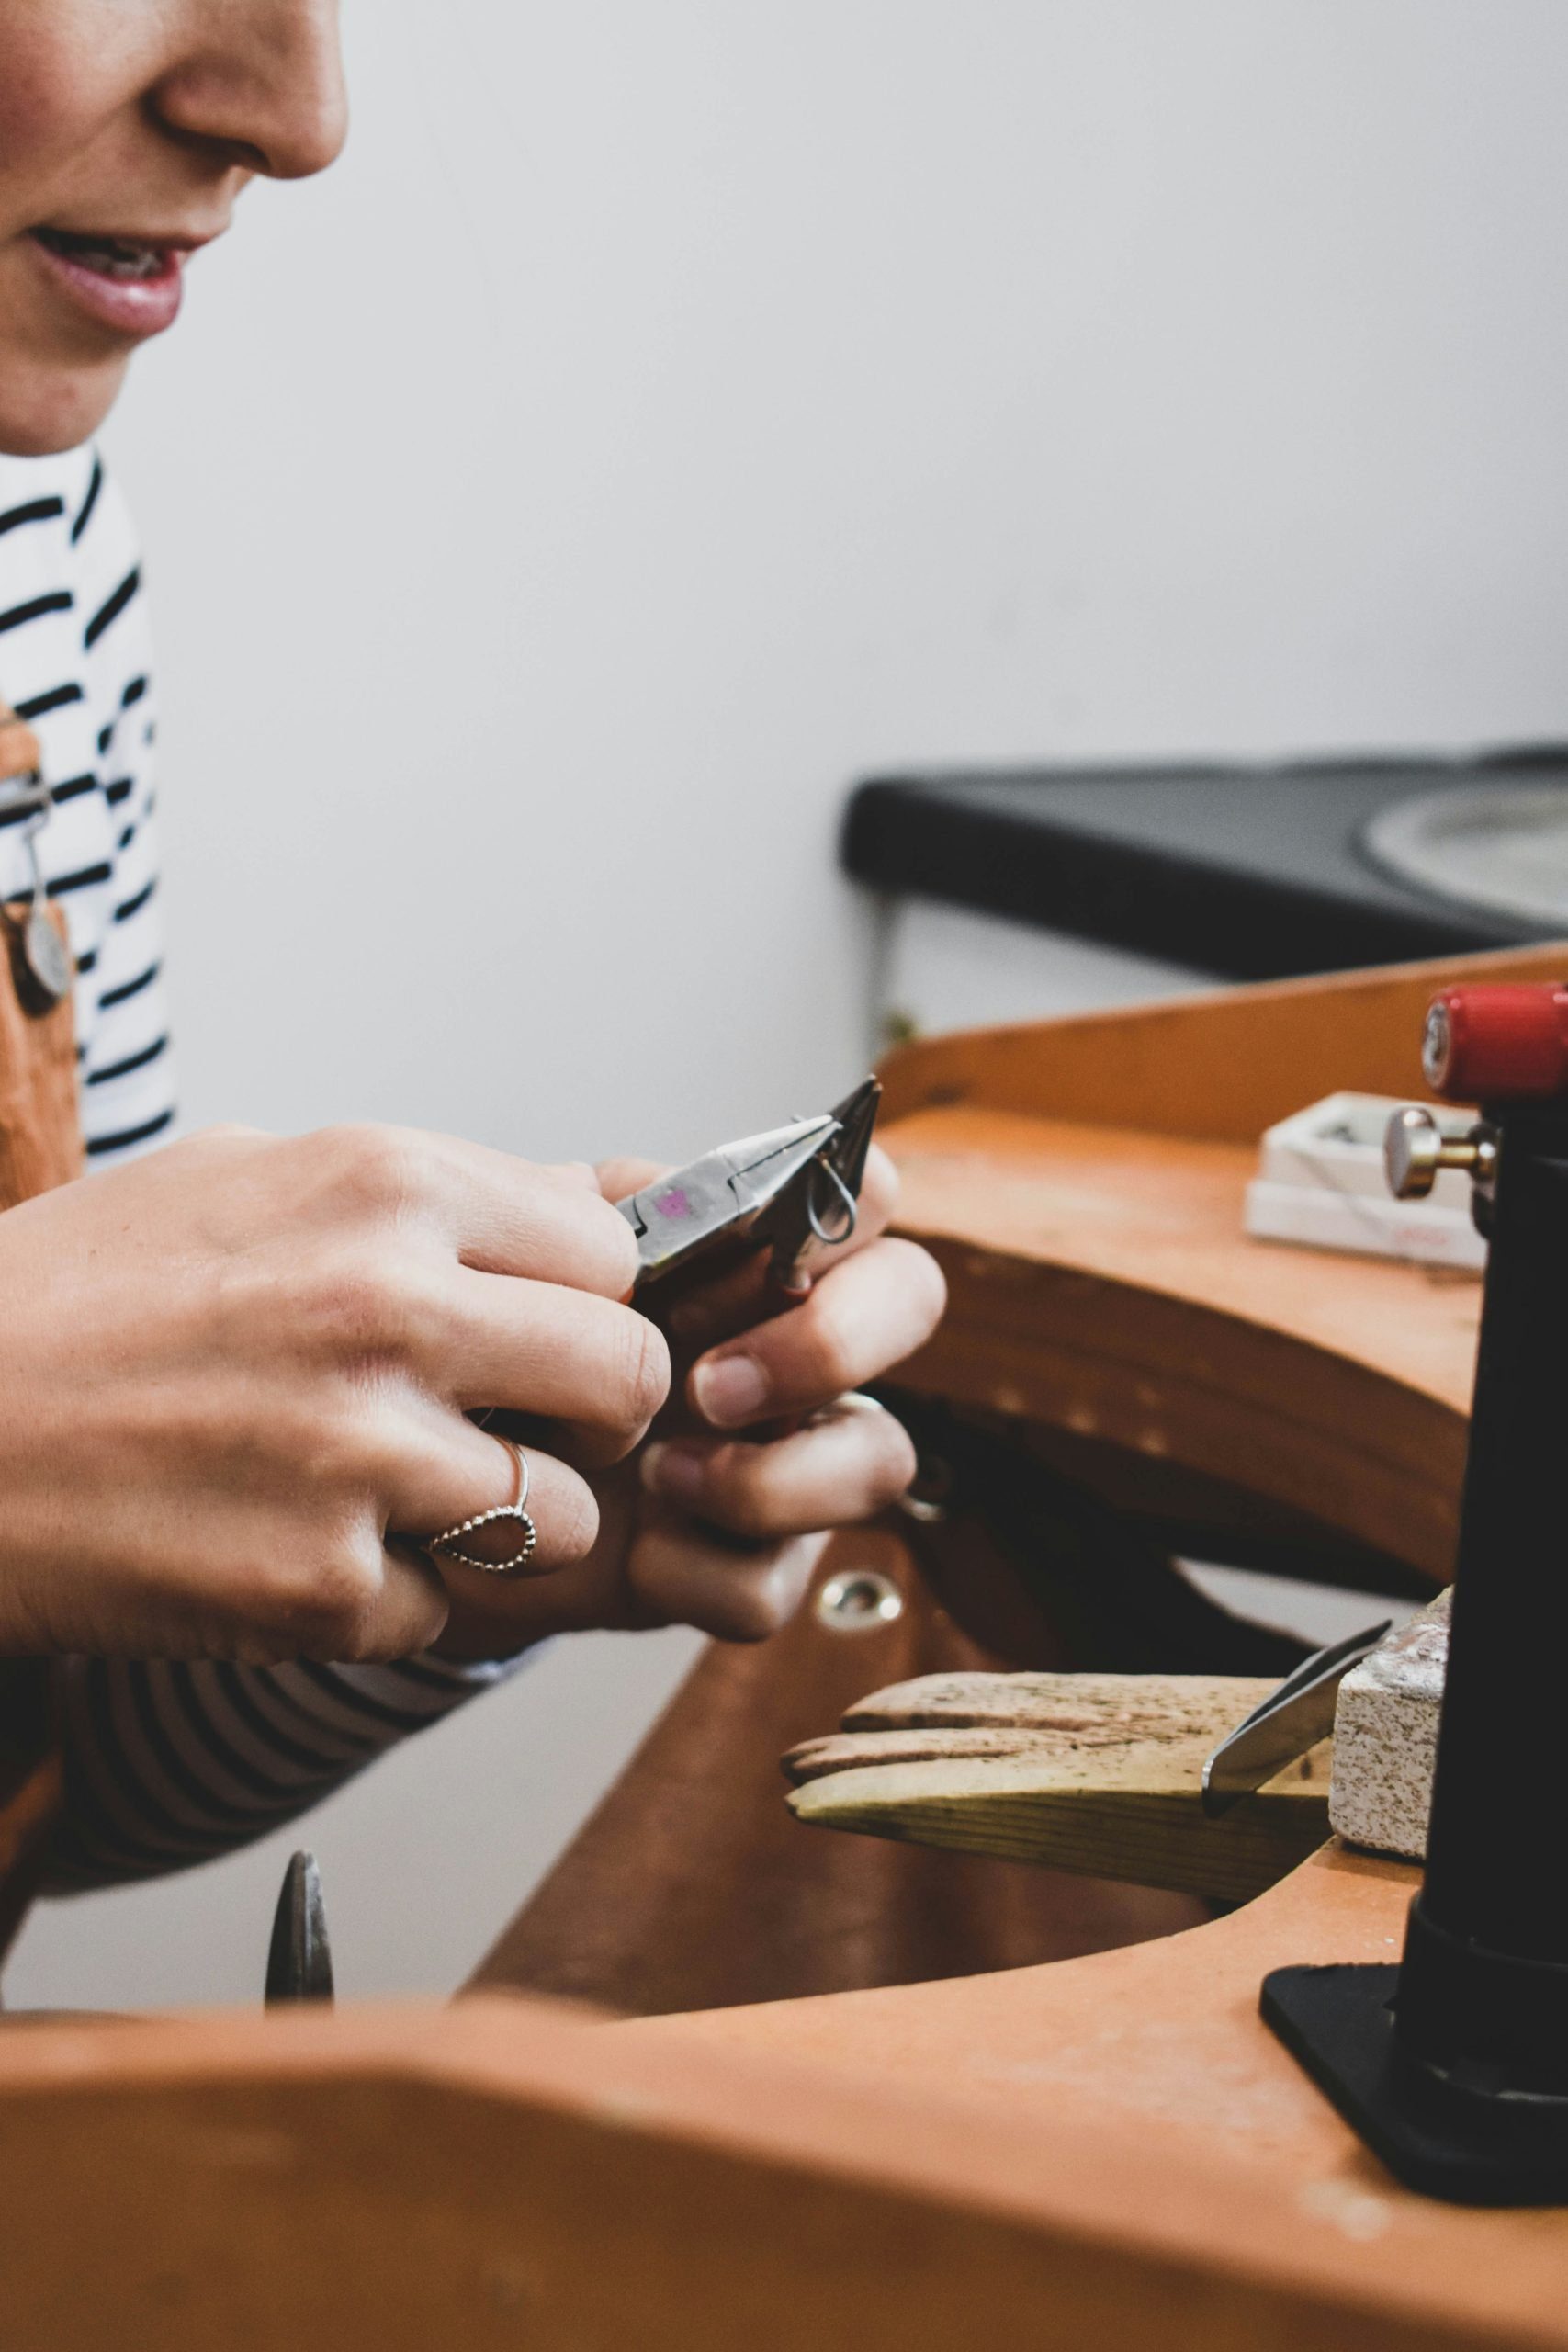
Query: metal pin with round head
[[1414, 1149]]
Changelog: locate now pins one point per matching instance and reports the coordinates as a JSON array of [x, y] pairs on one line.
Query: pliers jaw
[[851, 1148], [785, 1187], [823, 1205]]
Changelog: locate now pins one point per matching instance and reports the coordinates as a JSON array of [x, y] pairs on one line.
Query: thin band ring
[[449, 1545]]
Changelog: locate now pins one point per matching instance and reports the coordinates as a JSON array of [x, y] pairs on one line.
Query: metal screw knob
[[857, 1600], [1437, 1044], [1415, 1147]]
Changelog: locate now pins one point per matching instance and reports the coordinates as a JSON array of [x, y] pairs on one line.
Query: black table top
[[1241, 872]]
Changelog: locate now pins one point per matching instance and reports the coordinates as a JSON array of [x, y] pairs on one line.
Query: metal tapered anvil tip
[[299, 1959]]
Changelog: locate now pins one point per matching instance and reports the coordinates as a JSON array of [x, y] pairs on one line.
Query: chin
[[46, 410]]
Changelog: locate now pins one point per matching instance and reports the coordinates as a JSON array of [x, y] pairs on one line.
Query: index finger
[[551, 1225]]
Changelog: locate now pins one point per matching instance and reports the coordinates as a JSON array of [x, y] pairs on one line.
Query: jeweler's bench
[[1108, 2151]]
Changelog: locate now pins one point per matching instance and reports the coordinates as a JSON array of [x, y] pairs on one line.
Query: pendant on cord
[[42, 957], [46, 960]]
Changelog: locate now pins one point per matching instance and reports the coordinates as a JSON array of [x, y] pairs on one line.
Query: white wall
[[666, 413]]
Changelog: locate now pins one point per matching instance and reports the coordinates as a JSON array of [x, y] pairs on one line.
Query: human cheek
[[38, 107], [66, 67]]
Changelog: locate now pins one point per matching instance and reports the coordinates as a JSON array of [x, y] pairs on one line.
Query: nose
[[260, 82]]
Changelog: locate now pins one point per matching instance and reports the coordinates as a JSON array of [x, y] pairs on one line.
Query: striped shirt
[[166, 1763]]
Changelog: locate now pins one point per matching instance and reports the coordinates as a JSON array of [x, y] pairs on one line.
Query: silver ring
[[449, 1545]]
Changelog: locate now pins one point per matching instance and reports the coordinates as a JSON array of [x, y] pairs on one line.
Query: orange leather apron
[[40, 1146]]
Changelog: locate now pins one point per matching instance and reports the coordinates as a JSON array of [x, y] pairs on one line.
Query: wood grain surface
[[1159, 2050], [1082, 1183], [689, 1884], [1109, 2152], [1098, 1773], [1216, 1069], [1100, 1282]]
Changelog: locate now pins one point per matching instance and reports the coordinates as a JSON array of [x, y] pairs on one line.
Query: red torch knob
[[1496, 1044]]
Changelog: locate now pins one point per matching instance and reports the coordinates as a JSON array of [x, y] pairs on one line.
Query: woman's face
[[128, 127]]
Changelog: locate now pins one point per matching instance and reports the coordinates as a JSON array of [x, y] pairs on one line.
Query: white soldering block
[[1385, 1737]]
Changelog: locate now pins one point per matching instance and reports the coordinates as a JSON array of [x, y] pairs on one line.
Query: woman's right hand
[[230, 1368]]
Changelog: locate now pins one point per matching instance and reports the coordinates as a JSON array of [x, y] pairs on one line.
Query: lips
[[113, 257], [130, 285]]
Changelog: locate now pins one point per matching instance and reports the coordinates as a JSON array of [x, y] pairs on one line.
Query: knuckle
[[576, 1175], [599, 1246], [224, 1132], [375, 1170], [927, 1282], [741, 1492], [332, 1448], [572, 1522], [755, 1606], [612, 1245], [366, 1309], [639, 1374], [746, 1616], [900, 1460], [615, 1179], [835, 1350], [880, 1188], [341, 1307], [325, 1602], [892, 1466]]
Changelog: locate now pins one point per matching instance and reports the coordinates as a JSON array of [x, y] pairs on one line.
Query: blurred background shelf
[[1020, 892]]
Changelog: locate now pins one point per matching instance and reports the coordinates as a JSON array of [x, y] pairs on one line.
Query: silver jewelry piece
[[49, 965], [46, 963], [450, 1544]]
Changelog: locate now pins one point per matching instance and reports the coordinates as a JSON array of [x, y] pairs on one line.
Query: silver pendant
[[46, 956], [42, 963]]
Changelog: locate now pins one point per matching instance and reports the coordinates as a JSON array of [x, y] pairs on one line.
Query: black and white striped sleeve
[[169, 1763], [126, 1076]]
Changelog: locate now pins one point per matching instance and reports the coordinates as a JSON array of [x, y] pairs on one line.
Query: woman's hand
[[230, 1367], [720, 1519]]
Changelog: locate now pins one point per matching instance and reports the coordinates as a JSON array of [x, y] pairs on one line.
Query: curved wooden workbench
[[1082, 1182], [1083, 1185], [1157, 2103], [1100, 1285], [1109, 2152]]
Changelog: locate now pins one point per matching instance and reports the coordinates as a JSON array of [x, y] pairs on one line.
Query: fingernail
[[729, 1390], [673, 1472]]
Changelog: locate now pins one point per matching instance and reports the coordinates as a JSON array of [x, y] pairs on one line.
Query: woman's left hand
[[719, 1519]]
